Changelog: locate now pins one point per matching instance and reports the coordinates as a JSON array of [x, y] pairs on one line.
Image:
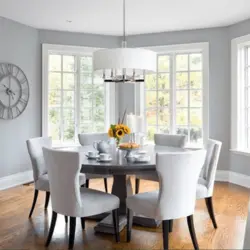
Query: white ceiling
[[143, 16]]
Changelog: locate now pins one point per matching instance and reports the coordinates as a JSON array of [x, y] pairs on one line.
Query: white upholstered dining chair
[[70, 200], [41, 180], [177, 195], [87, 139], [177, 141], [206, 181]]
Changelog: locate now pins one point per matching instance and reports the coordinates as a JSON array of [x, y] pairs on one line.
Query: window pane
[[247, 102], [163, 117], [68, 125], [150, 81], [163, 99], [54, 80], [164, 130], [181, 80], [196, 80], [54, 125], [86, 128], [163, 81], [86, 100], [68, 98], [196, 98], [69, 63], [196, 135], [86, 81], [248, 55], [98, 97], [98, 80], [182, 131], [86, 64], [150, 99], [163, 63], [54, 98], [151, 132], [99, 127], [151, 116], [195, 61], [68, 81], [86, 115], [196, 117], [98, 115], [182, 62], [54, 63], [182, 116], [182, 98]]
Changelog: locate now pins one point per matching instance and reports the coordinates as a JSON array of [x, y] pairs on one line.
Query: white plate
[[92, 157], [108, 160], [142, 160]]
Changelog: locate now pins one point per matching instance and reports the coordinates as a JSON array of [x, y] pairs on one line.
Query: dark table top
[[119, 164]]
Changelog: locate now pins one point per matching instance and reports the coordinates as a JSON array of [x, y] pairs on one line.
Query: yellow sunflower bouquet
[[119, 130]]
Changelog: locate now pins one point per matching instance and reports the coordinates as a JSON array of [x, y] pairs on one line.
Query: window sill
[[240, 152]]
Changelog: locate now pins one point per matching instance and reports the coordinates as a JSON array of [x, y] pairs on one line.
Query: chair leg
[[47, 200], [116, 225], [171, 222], [34, 203], [209, 204], [106, 185], [137, 185], [129, 224], [66, 219], [190, 222], [52, 227], [83, 223], [165, 231], [72, 229], [87, 184]]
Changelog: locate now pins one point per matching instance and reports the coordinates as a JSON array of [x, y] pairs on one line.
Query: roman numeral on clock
[[1, 111], [23, 101]]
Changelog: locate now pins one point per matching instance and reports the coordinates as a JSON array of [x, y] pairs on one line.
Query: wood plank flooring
[[18, 232]]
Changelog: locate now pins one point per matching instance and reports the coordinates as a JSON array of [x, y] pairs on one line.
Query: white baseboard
[[233, 177], [16, 179]]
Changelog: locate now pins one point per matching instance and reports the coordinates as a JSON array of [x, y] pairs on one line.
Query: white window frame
[[110, 100], [238, 46], [187, 48]]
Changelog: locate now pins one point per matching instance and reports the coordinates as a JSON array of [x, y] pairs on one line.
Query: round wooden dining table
[[121, 170]]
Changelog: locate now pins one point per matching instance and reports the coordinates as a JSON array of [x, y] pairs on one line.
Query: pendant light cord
[[124, 43]]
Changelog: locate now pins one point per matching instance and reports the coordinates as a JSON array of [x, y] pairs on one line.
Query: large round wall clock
[[14, 91]]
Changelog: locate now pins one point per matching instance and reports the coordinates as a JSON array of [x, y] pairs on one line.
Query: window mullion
[[157, 94], [246, 98], [61, 106], [77, 98], [189, 99], [173, 94]]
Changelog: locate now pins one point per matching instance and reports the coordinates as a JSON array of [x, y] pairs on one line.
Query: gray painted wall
[[219, 88], [239, 163], [19, 44]]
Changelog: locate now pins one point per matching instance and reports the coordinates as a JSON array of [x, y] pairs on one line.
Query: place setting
[[99, 157]]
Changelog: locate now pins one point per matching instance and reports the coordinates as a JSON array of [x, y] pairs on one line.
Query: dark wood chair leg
[[34, 203], [87, 184], [83, 223], [106, 185], [116, 225], [47, 200], [210, 209], [52, 227], [165, 231], [190, 222], [66, 219], [171, 222], [72, 229], [129, 224], [137, 185]]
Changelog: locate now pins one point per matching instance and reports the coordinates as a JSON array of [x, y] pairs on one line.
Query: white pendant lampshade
[[124, 64]]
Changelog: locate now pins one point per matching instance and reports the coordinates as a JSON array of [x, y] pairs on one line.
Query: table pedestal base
[[145, 222], [106, 225]]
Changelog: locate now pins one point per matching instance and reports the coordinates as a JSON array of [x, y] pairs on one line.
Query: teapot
[[101, 146]]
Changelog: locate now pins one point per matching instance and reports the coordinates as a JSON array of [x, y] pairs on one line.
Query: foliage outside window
[[76, 98], [174, 96]]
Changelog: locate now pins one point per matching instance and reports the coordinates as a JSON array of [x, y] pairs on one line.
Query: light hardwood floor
[[18, 232]]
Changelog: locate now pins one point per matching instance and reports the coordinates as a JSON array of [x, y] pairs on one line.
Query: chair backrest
[[35, 149], [211, 162], [178, 141], [63, 171], [86, 139], [178, 175]]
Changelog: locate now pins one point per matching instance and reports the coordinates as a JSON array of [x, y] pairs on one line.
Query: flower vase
[[117, 142]]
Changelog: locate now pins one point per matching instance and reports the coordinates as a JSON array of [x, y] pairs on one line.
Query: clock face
[[14, 91]]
